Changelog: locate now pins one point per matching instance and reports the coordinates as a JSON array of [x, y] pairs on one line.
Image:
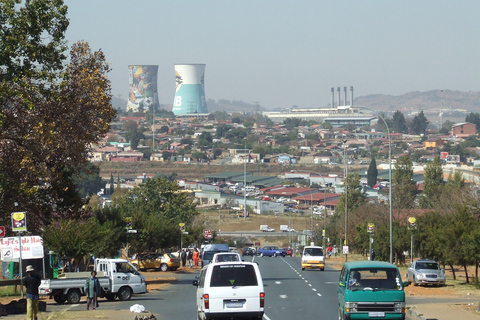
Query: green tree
[[372, 173], [89, 181], [433, 184], [420, 123], [404, 188], [354, 194], [399, 123], [156, 208], [473, 117], [327, 125]]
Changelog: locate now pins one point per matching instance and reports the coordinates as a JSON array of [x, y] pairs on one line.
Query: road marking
[[283, 296], [319, 294], [314, 289], [278, 282]]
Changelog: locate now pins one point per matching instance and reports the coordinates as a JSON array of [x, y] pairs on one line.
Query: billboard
[[143, 88], [189, 89], [32, 248]]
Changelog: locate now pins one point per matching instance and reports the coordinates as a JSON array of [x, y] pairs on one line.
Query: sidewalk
[[442, 311]]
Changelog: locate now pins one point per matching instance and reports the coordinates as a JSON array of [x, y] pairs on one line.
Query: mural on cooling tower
[[189, 89], [143, 88]]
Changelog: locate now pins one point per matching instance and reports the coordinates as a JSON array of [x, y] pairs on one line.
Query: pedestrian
[[92, 290], [195, 257], [190, 258], [183, 256], [32, 282], [329, 250], [372, 255], [335, 250]]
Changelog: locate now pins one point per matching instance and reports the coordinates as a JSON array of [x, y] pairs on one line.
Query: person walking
[[372, 255], [335, 250], [195, 257], [190, 258], [32, 282], [329, 250], [183, 256], [92, 290]]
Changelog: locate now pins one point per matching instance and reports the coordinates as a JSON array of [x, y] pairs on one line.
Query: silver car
[[426, 272]]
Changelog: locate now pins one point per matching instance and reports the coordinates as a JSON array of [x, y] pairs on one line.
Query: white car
[[230, 290], [426, 272]]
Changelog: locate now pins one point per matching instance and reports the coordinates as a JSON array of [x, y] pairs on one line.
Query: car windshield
[[226, 257], [233, 275], [124, 267], [208, 255], [313, 252], [374, 279], [274, 248], [427, 265]]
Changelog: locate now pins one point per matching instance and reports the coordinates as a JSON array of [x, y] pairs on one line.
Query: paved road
[[289, 292]]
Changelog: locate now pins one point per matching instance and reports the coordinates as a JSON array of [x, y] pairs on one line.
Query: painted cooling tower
[[189, 89], [143, 88]]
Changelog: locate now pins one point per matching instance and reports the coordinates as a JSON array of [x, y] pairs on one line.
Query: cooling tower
[[143, 88], [189, 89]]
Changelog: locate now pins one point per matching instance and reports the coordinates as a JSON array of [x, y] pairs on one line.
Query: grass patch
[[10, 291]]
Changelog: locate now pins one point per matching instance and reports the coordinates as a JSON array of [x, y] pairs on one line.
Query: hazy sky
[[281, 53]]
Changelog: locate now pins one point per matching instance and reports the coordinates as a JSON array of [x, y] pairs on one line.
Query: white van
[[313, 258], [230, 290], [210, 249]]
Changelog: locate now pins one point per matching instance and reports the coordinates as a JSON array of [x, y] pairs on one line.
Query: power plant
[[143, 88], [189, 89]]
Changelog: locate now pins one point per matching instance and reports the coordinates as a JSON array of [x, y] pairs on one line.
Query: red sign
[[2, 231], [207, 233]]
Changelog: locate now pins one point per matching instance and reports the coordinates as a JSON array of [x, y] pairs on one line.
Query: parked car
[[271, 251], [162, 261], [266, 198], [426, 272], [288, 250]]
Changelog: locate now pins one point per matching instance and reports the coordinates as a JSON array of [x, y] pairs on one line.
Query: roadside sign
[[2, 231], [32, 248], [207, 233], [182, 226], [19, 221]]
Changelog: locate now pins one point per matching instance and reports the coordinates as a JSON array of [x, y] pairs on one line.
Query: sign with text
[[32, 248], [2, 231], [207, 233]]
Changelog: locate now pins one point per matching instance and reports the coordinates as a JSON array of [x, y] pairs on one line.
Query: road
[[290, 292]]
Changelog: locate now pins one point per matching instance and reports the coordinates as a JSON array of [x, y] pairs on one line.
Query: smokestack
[[351, 96], [345, 92], [339, 98], [189, 89], [333, 97]]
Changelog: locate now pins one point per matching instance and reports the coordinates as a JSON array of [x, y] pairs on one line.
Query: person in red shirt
[[195, 256], [329, 250]]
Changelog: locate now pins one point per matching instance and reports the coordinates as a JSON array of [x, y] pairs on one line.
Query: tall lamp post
[[389, 177], [245, 181], [345, 185]]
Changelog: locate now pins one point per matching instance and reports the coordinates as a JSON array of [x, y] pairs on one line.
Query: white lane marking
[[319, 294], [314, 289], [278, 282], [283, 296], [265, 317]]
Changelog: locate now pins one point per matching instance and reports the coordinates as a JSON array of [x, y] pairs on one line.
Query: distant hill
[[435, 100], [453, 102]]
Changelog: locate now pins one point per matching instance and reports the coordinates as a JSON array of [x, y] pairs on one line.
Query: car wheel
[[164, 267], [323, 269], [110, 296], [303, 269], [124, 294], [73, 296], [59, 298]]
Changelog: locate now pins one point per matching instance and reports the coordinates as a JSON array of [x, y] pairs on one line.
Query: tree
[[354, 193], [433, 184], [473, 118], [399, 123], [372, 173], [156, 208], [48, 141], [420, 123], [404, 189], [89, 182]]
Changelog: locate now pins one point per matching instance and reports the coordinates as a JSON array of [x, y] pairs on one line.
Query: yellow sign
[[19, 221], [182, 226]]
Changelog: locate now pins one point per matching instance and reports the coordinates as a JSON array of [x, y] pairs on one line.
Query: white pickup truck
[[117, 277]]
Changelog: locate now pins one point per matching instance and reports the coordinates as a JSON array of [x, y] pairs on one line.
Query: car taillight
[[206, 301], [171, 260], [262, 299]]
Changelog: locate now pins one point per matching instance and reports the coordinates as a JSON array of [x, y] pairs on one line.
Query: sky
[[279, 53]]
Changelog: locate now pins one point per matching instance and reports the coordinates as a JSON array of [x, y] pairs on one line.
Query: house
[[127, 156], [464, 129], [433, 143]]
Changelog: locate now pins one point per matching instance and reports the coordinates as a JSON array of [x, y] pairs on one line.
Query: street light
[[245, 180], [389, 177], [345, 185]]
